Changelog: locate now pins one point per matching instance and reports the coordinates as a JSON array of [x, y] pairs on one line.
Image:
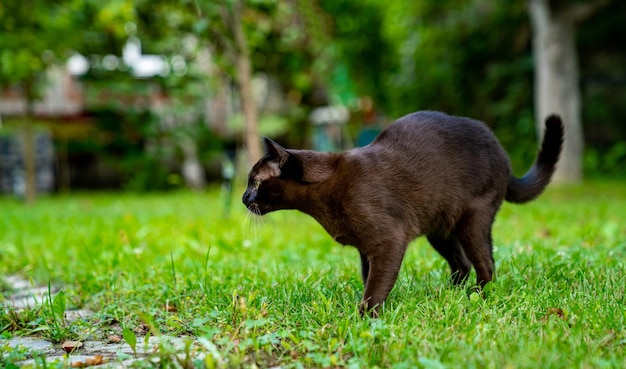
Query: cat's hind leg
[[451, 249]]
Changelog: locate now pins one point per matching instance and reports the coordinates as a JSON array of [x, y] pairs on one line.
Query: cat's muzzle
[[248, 197]]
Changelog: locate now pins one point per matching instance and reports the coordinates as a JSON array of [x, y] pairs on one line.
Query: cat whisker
[[258, 220], [248, 223], [253, 221]]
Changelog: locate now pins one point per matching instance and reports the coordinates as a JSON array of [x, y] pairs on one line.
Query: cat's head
[[277, 177]]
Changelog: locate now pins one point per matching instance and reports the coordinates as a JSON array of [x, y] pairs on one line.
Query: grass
[[278, 291]]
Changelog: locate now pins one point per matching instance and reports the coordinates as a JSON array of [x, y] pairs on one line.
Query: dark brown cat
[[428, 173]]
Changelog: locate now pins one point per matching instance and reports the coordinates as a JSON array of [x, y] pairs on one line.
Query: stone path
[[107, 355], [23, 294], [104, 354]]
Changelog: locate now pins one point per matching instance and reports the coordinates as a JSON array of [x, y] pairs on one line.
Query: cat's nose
[[248, 197]]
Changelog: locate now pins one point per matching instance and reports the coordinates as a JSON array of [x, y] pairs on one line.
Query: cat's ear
[[276, 152]]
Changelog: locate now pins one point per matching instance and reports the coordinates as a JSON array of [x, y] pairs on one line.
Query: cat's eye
[[256, 184]]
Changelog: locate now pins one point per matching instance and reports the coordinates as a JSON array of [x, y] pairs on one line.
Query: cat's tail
[[532, 184]]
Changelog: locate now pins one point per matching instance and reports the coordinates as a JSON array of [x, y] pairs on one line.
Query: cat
[[427, 174]]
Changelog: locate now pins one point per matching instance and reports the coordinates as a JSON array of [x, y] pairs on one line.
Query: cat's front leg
[[365, 267], [383, 273]]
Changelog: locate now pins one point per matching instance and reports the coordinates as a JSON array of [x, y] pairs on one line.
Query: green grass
[[279, 291]]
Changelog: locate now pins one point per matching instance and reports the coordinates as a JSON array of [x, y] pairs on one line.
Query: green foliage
[[474, 58], [12, 355], [469, 58], [603, 80], [606, 162], [57, 307], [453, 60], [465, 58], [131, 339], [279, 291], [37, 34], [21, 46], [369, 57]]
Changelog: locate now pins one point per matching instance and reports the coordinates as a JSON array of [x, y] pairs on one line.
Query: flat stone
[[108, 364], [23, 295], [26, 298], [17, 282], [31, 344], [72, 315], [108, 349]]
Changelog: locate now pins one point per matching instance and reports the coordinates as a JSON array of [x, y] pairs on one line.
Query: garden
[[244, 291]]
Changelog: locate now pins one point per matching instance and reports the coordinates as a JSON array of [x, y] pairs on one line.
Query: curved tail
[[532, 184]]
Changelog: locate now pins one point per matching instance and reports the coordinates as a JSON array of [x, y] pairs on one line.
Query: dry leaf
[[123, 238], [170, 308], [545, 233], [115, 338], [556, 311], [96, 360], [71, 346], [91, 361], [143, 328], [553, 311]]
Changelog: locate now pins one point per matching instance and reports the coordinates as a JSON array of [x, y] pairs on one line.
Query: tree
[[475, 58], [557, 87], [356, 31], [286, 40], [35, 34], [23, 40], [447, 55], [224, 22]]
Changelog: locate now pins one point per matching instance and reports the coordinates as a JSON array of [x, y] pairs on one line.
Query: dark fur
[[429, 174]]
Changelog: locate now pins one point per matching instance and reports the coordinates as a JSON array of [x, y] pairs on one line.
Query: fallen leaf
[[170, 308], [123, 238], [91, 361], [545, 233], [71, 346], [115, 338], [554, 311], [96, 360], [143, 328]]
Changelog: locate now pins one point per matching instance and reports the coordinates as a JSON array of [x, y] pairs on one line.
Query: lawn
[[277, 291]]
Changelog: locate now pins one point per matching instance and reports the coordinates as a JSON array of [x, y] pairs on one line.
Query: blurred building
[[68, 117]]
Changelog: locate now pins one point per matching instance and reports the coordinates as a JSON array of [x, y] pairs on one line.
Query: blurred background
[[149, 95]]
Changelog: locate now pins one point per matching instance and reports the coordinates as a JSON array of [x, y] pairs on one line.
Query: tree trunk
[[557, 87], [244, 81], [28, 148], [192, 170]]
